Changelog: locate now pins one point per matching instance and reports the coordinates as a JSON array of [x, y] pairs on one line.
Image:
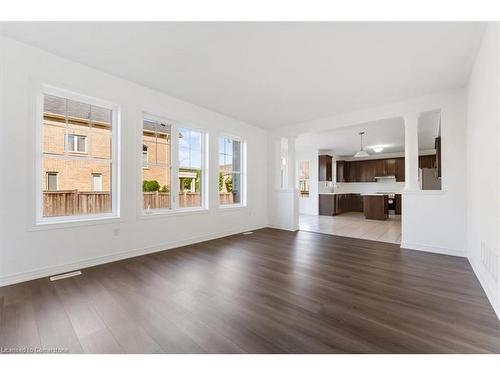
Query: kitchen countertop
[[357, 192]]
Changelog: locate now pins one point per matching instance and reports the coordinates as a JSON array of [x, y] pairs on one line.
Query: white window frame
[[243, 172], [61, 221], [74, 148], [174, 168], [145, 211], [47, 180], [92, 175]]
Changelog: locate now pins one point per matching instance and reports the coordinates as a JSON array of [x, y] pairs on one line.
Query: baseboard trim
[[490, 294], [433, 249], [63, 268], [282, 227]]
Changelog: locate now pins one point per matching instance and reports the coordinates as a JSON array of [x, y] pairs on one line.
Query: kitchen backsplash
[[385, 186]]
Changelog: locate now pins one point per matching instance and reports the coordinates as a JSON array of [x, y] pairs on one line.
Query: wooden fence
[[74, 202]]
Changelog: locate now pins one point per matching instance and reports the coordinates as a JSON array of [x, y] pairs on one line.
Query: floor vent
[[245, 233], [65, 275], [489, 260]]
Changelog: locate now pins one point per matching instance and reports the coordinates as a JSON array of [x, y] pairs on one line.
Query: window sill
[[164, 213], [65, 222], [229, 207]]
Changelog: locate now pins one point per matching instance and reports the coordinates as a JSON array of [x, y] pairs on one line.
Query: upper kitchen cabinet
[[325, 168], [400, 169], [342, 171], [385, 168], [390, 167], [369, 170], [427, 161]]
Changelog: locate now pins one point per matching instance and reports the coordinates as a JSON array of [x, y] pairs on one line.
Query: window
[[144, 156], [76, 143], [156, 163], [304, 178], [78, 139], [230, 171], [190, 168], [51, 181], [173, 161], [96, 182]]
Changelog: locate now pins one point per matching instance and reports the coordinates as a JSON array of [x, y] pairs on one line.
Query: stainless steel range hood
[[385, 177]]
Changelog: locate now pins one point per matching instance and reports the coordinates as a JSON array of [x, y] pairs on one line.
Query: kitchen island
[[375, 206]]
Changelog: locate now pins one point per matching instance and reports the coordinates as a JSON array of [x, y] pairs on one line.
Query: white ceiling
[[270, 74], [388, 133]]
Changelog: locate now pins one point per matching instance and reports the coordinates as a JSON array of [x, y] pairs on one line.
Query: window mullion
[[174, 170]]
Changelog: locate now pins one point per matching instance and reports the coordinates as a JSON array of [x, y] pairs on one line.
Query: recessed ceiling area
[[388, 134], [270, 74]]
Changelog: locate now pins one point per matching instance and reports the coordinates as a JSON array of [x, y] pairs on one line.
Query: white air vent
[[245, 233], [489, 260]]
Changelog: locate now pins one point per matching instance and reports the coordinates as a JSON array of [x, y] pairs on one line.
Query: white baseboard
[[433, 249], [283, 227], [486, 287], [50, 271]]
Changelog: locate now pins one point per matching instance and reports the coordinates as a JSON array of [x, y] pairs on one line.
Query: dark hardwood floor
[[270, 292]]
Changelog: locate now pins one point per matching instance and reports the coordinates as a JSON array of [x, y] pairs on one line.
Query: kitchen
[[361, 177]]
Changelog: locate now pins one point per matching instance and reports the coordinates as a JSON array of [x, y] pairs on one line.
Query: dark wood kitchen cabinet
[[400, 169], [362, 171], [390, 167], [327, 204], [427, 161], [397, 199], [353, 172], [341, 203], [385, 167], [376, 207], [380, 168], [342, 171], [355, 202], [437, 146], [367, 170], [325, 168], [335, 204]]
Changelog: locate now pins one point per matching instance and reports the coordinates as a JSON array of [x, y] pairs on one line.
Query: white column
[[291, 167], [411, 151], [292, 182]]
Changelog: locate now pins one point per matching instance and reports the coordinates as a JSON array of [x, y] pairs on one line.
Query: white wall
[[483, 147], [27, 253], [432, 221], [283, 201], [436, 220]]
